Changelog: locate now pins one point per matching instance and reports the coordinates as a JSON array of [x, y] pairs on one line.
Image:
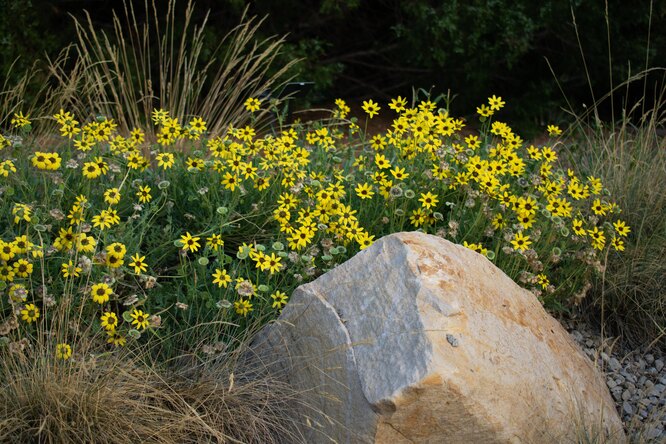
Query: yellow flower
[[85, 243], [598, 208], [140, 319], [371, 108], [246, 134], [598, 238], [476, 247], [520, 242], [19, 120], [159, 116], [65, 240], [165, 160], [7, 167], [194, 163], [6, 273], [496, 103], [364, 240], [473, 142], [621, 228], [91, 170], [229, 181], [139, 264], [115, 338], [279, 299], [364, 191], [198, 125], [261, 183], [109, 320], [112, 196], [542, 280], [101, 293], [144, 194], [137, 136], [64, 117], [136, 161], [252, 104], [272, 263], [617, 243], [21, 212], [222, 278], [117, 248], [378, 142], [102, 220], [577, 226], [22, 268], [70, 270], [553, 130], [215, 241], [428, 200], [63, 351], [190, 243], [548, 154], [381, 162], [243, 307], [484, 111], [398, 104], [498, 221], [30, 313], [399, 173]]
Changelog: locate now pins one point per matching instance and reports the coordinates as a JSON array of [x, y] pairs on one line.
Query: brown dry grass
[[123, 397]]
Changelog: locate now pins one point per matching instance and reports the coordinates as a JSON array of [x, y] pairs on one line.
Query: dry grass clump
[[107, 398], [159, 63], [631, 157]]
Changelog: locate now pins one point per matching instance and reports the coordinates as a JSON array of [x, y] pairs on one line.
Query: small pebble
[[653, 432], [627, 408], [614, 364], [626, 395], [636, 381]]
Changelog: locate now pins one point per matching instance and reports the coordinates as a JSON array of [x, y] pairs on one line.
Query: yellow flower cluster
[[243, 217]]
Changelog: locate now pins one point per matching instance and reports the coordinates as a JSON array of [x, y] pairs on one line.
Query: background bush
[[381, 48]]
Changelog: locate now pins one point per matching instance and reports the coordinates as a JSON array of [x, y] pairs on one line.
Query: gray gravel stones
[[635, 378]]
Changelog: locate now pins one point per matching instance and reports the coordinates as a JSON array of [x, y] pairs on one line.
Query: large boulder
[[416, 339]]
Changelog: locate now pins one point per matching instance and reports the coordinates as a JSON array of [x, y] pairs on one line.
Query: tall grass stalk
[[140, 66]]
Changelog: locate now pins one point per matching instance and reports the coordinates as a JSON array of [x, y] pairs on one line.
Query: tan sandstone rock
[[418, 340]]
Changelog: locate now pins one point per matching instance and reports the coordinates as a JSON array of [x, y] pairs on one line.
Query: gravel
[[636, 380]]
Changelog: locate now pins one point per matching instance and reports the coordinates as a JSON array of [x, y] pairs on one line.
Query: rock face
[[416, 339]]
